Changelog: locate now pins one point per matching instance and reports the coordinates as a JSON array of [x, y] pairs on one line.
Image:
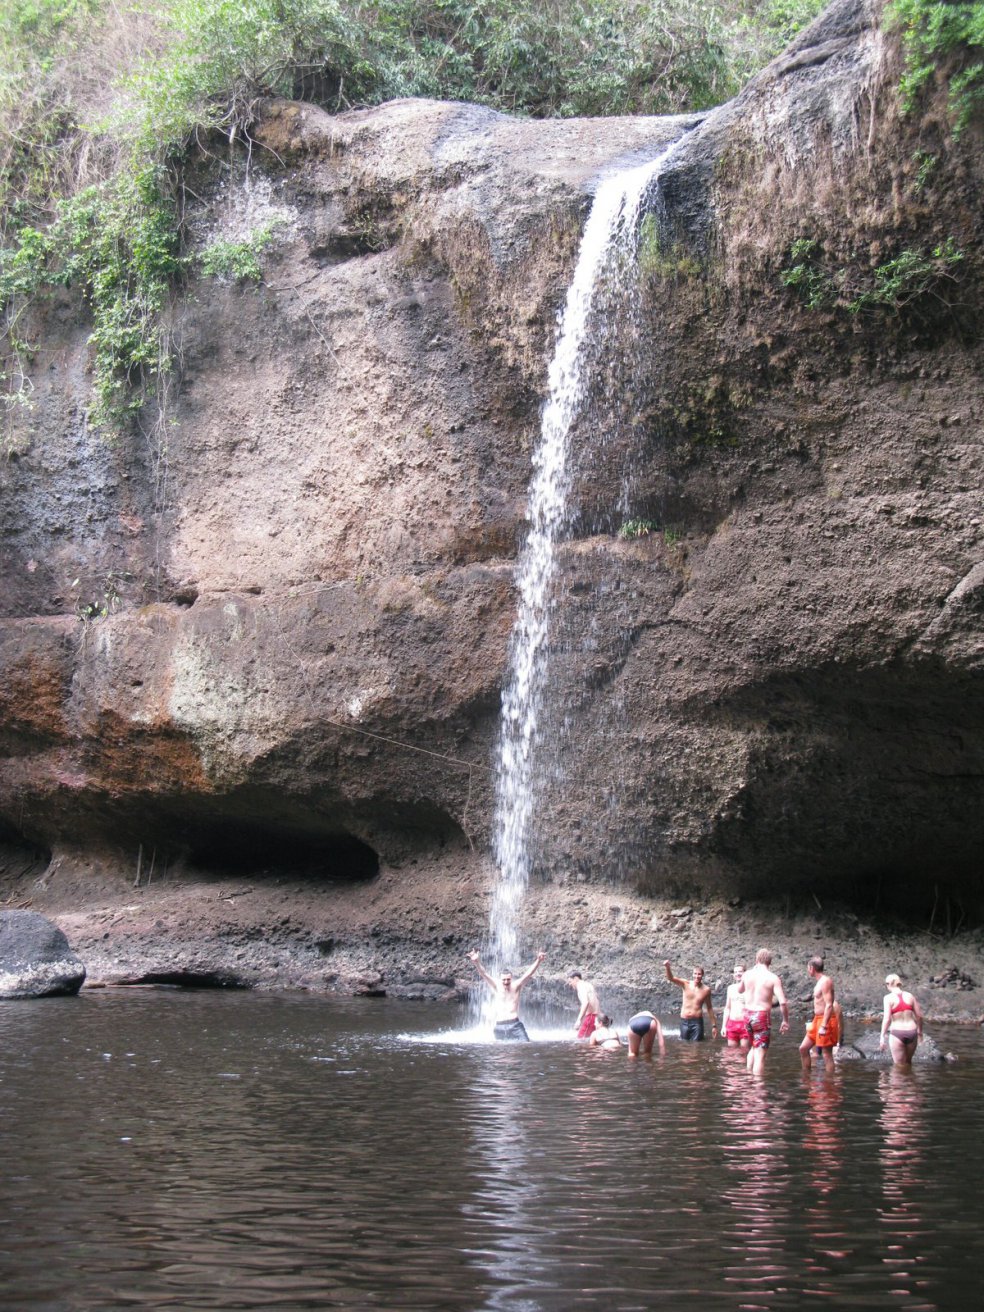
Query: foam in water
[[608, 248]]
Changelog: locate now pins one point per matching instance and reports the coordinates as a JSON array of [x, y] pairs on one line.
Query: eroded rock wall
[[268, 629]]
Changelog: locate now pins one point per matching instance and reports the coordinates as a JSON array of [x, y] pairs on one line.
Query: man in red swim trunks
[[823, 1031], [733, 1018], [761, 990], [587, 995]]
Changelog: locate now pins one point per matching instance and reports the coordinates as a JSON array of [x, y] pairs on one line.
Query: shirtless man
[[508, 1027], [587, 1017], [696, 996], [761, 989], [823, 1031], [733, 1017]]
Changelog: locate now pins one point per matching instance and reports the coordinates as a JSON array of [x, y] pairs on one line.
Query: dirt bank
[[405, 933]]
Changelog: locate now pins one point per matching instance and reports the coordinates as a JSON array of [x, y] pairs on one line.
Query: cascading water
[[609, 249]]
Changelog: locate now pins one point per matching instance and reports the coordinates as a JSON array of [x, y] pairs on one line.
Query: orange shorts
[[829, 1038]]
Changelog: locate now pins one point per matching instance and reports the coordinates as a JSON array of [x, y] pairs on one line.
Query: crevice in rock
[[233, 846], [185, 979], [866, 785], [19, 858]]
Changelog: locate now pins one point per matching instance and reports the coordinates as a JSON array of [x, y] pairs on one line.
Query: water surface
[[173, 1150]]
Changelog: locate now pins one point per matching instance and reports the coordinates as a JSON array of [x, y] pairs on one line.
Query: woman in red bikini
[[902, 1022]]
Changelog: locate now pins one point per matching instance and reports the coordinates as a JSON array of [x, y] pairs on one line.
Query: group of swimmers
[[746, 1019]]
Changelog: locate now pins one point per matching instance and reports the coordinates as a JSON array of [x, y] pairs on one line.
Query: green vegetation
[[109, 602], [644, 528], [926, 167], [939, 35], [237, 261], [912, 277], [103, 103], [660, 262], [908, 277], [638, 528], [806, 274]]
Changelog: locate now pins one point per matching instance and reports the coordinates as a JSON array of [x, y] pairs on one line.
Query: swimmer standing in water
[[733, 1019], [902, 1022], [508, 1027], [762, 990]]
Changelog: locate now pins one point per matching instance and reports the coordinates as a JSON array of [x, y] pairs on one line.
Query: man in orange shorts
[[823, 1031]]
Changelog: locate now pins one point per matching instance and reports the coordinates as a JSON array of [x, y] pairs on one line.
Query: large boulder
[[869, 1048], [35, 958]]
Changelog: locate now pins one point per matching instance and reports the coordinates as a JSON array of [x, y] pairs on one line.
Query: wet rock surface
[[869, 1048]]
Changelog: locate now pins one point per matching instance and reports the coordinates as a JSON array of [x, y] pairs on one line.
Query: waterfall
[[608, 251]]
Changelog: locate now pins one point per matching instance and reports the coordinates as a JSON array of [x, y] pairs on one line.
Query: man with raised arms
[[696, 996], [762, 990], [823, 1031], [508, 1027]]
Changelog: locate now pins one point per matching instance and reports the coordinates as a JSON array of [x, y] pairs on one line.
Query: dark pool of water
[[227, 1151]]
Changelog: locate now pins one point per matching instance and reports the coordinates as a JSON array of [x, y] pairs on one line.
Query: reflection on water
[[227, 1151], [905, 1217], [756, 1151], [507, 1202]]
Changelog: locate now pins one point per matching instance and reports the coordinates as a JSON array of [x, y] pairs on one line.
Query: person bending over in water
[[508, 1027], [696, 996], [644, 1030], [902, 1021], [604, 1035], [762, 989]]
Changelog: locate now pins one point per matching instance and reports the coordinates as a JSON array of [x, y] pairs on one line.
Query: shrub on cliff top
[[100, 101]]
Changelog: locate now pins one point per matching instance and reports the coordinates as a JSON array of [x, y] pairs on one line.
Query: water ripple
[[350, 1166]]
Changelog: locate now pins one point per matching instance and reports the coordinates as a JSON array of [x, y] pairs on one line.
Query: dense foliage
[[101, 102], [935, 33]]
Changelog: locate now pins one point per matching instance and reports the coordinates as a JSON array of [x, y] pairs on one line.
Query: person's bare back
[[762, 989]]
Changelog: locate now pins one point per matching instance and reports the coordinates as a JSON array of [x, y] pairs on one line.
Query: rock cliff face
[[265, 635]]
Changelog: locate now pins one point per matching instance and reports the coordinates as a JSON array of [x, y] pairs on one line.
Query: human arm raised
[[680, 983], [474, 958], [530, 971]]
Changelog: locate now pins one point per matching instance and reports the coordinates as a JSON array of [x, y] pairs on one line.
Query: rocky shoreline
[[407, 937]]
